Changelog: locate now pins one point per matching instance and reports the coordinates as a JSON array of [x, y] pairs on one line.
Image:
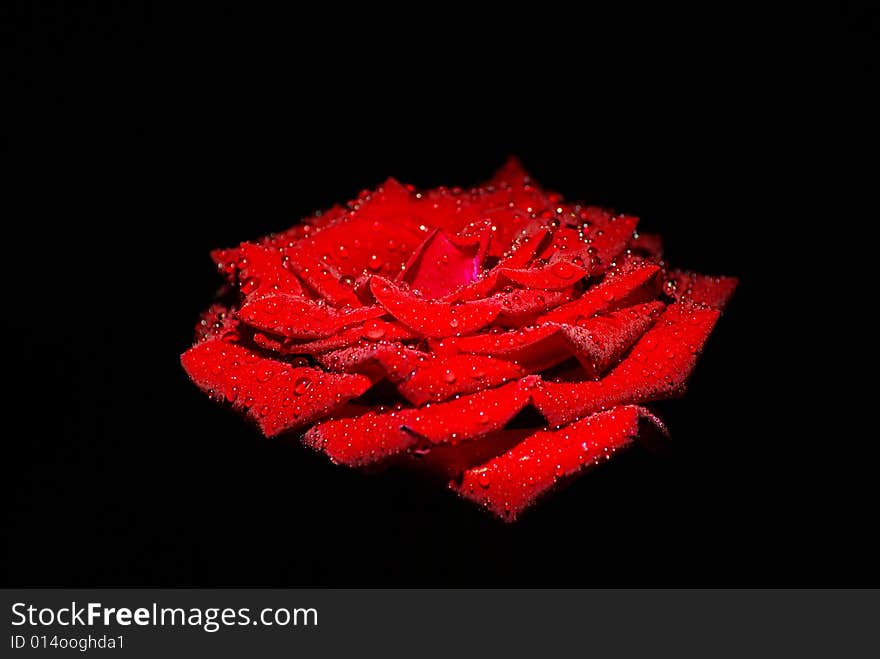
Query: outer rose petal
[[626, 288], [513, 481], [434, 318], [448, 461], [600, 341], [657, 367], [473, 416], [261, 271], [361, 440], [299, 318], [378, 235], [227, 259], [441, 378], [276, 395], [216, 322], [608, 236], [374, 437], [703, 289]]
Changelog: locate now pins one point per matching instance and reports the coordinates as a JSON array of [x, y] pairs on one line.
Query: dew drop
[[250, 285], [301, 386], [374, 331], [563, 270], [484, 480], [449, 376]]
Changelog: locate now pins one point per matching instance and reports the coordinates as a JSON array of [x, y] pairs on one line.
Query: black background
[[140, 140]]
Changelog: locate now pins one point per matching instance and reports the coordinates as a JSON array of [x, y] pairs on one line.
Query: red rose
[[412, 327]]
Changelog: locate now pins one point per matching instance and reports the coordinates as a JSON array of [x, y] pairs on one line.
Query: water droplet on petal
[[301, 386], [563, 270], [374, 330], [250, 285], [484, 480]]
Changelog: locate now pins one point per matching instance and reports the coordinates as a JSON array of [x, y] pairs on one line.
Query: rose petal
[[374, 329], [361, 440], [227, 259], [440, 378], [378, 235], [557, 276], [375, 437], [534, 348], [608, 236], [326, 281], [523, 306], [623, 289], [432, 317], [601, 238], [276, 395], [600, 341], [597, 342], [473, 416], [443, 263], [524, 249], [447, 461], [477, 290], [376, 360], [512, 482], [702, 289], [564, 244], [655, 368], [217, 322], [299, 318], [261, 271]]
